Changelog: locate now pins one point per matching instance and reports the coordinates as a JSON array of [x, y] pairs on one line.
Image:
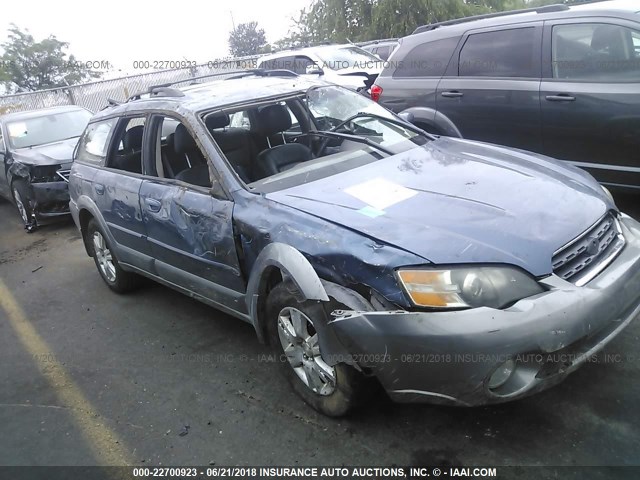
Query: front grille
[[586, 256]]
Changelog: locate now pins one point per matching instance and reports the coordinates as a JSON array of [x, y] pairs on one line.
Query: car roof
[[615, 8], [307, 50], [217, 94], [28, 114]]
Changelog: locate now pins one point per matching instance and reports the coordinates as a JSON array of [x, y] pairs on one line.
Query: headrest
[[273, 119], [132, 139], [183, 142], [217, 120], [606, 36], [171, 141]]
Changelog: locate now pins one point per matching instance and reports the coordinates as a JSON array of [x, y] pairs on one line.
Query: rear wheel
[[113, 275], [331, 390], [20, 191]]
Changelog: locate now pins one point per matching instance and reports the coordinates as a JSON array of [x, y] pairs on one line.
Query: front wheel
[[113, 275], [20, 191], [331, 390]]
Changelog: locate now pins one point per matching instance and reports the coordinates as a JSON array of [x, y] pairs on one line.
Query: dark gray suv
[[562, 81]]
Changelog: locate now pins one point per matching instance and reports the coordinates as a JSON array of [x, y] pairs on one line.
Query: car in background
[[381, 48], [361, 248], [36, 151], [558, 80], [347, 65]]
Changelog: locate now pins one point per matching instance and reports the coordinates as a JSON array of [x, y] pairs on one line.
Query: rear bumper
[[448, 357]]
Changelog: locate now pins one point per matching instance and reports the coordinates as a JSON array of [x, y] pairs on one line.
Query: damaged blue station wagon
[[361, 248]]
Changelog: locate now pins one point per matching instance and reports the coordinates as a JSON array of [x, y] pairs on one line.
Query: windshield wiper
[[382, 118], [355, 138]]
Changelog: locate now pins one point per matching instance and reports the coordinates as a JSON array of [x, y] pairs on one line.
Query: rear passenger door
[[491, 88], [189, 225], [116, 188], [590, 96]]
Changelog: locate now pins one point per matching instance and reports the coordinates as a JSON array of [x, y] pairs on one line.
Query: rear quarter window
[[429, 59], [93, 144]]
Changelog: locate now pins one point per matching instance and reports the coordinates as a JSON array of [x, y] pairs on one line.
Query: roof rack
[[165, 90], [546, 9]]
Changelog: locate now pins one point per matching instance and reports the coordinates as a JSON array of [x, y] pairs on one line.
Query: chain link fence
[[94, 96]]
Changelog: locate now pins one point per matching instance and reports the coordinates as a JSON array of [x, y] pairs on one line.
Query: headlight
[[467, 287]]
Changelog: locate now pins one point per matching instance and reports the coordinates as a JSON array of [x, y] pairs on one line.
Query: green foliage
[[27, 65], [361, 20], [247, 39]]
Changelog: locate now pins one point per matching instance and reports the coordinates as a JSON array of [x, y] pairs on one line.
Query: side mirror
[[407, 117], [313, 69]]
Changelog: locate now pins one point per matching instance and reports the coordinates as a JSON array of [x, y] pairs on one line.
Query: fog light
[[502, 374]]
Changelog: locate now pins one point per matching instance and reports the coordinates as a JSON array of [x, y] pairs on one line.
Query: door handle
[[561, 97], [99, 188], [452, 94], [153, 205]]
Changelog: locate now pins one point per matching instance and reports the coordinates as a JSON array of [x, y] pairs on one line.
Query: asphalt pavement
[[89, 377]]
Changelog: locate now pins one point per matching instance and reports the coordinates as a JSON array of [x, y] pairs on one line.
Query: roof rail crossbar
[[261, 72], [165, 90], [546, 9]]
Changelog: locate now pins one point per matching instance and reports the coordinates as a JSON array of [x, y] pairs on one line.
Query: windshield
[[336, 130], [343, 111], [348, 57], [50, 128]]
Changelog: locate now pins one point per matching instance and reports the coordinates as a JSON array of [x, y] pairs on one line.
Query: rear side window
[[93, 145], [596, 51], [429, 59], [127, 155], [502, 53]]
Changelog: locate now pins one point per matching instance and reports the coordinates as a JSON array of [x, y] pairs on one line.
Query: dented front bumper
[[449, 357], [51, 199]]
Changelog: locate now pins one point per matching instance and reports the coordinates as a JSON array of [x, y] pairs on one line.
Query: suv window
[[429, 59], [93, 144], [595, 51], [128, 155], [501, 53]]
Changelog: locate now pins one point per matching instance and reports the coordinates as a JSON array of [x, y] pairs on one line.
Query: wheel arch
[[426, 118]]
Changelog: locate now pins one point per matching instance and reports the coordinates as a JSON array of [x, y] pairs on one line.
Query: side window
[[127, 155], [595, 51], [94, 143], [502, 53], [429, 59], [176, 153], [2, 147]]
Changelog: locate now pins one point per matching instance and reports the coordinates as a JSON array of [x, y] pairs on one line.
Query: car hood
[[456, 201], [50, 154]]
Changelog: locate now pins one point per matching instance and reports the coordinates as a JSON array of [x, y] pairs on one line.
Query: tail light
[[376, 91]]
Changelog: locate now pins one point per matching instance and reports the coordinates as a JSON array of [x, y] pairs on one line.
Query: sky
[[125, 31]]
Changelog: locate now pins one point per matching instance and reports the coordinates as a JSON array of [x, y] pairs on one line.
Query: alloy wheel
[[299, 341], [104, 257]]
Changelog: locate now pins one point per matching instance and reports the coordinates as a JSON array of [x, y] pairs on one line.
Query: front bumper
[[448, 357], [51, 199]]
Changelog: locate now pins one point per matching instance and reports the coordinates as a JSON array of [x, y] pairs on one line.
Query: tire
[[106, 262], [332, 391], [429, 129], [20, 193]]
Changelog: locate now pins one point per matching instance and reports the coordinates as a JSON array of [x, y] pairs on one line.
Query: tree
[[27, 65], [361, 20], [247, 39]]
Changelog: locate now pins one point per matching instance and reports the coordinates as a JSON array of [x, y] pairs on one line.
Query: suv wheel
[[333, 391], [117, 279], [20, 192]]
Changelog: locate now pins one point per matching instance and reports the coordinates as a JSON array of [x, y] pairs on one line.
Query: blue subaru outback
[[364, 250]]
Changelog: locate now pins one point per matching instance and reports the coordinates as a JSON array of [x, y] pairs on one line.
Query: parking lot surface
[[155, 378]]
